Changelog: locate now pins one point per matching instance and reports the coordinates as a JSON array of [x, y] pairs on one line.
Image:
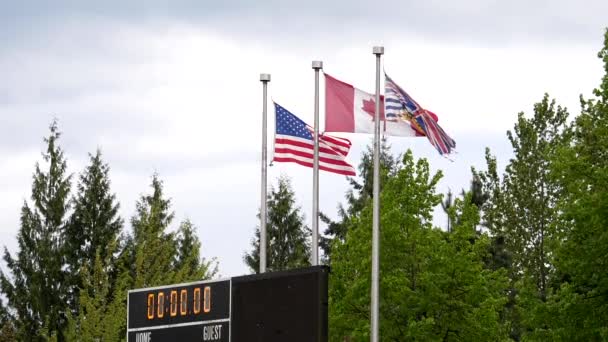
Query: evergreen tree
[[358, 196], [433, 285], [102, 308], [153, 248], [94, 226], [36, 287], [189, 264], [478, 196], [446, 205], [7, 326], [287, 235], [7, 332]]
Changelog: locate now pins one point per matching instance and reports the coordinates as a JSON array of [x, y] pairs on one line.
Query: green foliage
[[94, 225], [581, 302], [446, 204], [153, 247], [70, 276], [521, 208], [357, 197], [433, 285], [36, 289], [102, 311], [539, 275], [521, 211], [287, 235], [151, 257], [7, 332], [188, 262]]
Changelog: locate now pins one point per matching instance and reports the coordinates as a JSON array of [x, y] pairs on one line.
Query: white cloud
[[186, 101]]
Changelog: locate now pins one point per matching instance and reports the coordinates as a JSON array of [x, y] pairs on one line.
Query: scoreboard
[[175, 312], [276, 306]]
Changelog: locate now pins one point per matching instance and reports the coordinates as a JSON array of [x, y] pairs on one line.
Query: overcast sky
[[173, 87]]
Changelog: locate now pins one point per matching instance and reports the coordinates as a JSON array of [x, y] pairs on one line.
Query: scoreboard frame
[[273, 306], [167, 319]]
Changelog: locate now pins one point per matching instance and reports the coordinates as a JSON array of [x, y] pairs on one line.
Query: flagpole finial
[[378, 50], [317, 65], [265, 77]]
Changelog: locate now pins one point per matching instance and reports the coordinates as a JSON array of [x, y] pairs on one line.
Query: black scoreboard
[[278, 306]]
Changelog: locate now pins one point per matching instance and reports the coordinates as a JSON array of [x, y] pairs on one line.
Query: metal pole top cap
[[378, 50], [317, 64], [265, 77]]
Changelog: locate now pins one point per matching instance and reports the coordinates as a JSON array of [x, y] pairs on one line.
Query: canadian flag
[[348, 109]]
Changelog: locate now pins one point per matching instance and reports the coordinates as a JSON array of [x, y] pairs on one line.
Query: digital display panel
[[195, 311], [270, 307]]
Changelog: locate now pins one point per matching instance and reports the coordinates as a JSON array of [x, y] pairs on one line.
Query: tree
[[153, 248], [521, 211], [529, 196], [189, 264], [7, 332], [101, 308], [433, 285], [94, 226], [287, 235], [36, 288], [579, 309], [478, 196], [446, 205], [358, 196]]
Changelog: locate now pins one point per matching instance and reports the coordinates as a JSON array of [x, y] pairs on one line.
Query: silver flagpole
[[264, 78], [316, 65], [375, 294]]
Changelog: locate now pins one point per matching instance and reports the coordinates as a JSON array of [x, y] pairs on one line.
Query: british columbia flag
[[399, 105]]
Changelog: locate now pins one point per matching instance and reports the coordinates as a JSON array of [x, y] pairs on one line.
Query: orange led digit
[[161, 305], [207, 298], [196, 301], [173, 307], [183, 302], [151, 306]]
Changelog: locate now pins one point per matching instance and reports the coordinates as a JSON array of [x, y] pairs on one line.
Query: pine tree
[[287, 235], [153, 248], [189, 264], [36, 287], [94, 226], [478, 196], [6, 322], [7, 332], [446, 204], [101, 306]]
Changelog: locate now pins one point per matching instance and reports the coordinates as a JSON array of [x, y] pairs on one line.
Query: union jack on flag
[[399, 105]]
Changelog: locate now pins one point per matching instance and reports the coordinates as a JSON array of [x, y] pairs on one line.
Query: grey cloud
[[477, 21]]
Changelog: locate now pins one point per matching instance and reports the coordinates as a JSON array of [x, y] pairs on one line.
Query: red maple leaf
[[369, 106]]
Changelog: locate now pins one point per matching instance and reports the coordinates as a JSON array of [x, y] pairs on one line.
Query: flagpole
[[316, 65], [375, 297], [264, 78]]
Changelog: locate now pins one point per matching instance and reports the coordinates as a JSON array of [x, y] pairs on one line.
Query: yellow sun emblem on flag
[[408, 117]]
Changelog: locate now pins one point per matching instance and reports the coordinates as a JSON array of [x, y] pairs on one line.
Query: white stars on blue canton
[[289, 124]]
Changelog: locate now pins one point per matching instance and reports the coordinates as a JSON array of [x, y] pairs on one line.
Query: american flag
[[294, 143], [400, 105]]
